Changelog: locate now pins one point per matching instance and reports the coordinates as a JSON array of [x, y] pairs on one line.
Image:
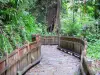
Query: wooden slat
[[20, 64], [29, 66], [49, 40]]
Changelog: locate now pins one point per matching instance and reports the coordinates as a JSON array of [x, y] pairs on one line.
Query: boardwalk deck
[[55, 62]]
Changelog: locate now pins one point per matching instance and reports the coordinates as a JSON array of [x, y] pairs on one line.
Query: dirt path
[[55, 62]]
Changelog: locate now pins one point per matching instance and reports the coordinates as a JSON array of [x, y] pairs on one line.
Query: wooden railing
[[27, 56], [74, 46], [21, 59], [49, 40]]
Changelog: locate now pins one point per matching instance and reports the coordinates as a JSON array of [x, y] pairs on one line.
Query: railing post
[[35, 37]]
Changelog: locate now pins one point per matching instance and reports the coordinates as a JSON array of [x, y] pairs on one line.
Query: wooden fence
[[21, 59], [74, 46], [49, 40], [77, 47], [27, 56]]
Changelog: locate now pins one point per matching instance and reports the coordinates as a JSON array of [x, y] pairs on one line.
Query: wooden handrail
[[75, 46], [79, 47], [21, 58]]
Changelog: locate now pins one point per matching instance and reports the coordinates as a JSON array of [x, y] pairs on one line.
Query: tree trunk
[[51, 16]]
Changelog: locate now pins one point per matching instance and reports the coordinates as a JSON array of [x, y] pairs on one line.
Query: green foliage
[[70, 28], [78, 19], [94, 50], [17, 24]]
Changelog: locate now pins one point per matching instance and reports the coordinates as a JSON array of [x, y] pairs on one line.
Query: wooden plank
[[34, 55], [77, 47], [39, 51], [3, 74], [2, 66], [24, 62], [15, 69], [72, 39], [29, 66], [81, 49], [49, 40], [8, 72], [12, 70], [29, 59]]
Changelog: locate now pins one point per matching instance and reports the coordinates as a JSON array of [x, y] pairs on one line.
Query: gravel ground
[[55, 62]]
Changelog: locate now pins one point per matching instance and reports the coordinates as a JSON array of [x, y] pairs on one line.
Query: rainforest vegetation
[[19, 19], [81, 18]]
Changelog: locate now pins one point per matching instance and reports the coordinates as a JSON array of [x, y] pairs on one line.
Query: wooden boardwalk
[[55, 62]]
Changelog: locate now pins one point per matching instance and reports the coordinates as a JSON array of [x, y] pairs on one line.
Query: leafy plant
[[94, 50], [78, 19], [17, 24]]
